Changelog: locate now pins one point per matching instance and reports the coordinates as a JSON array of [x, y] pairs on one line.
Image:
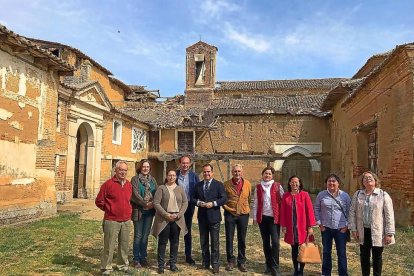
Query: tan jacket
[[161, 198], [382, 222], [238, 205]]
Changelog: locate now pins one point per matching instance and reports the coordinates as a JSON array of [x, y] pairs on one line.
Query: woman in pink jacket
[[297, 219]]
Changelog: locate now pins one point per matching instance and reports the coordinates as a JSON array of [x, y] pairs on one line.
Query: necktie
[[205, 187]]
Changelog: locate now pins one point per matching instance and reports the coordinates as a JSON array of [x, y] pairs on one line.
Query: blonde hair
[[374, 175]]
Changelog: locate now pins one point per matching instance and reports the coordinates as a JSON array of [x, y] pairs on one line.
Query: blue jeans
[[340, 242], [142, 229]]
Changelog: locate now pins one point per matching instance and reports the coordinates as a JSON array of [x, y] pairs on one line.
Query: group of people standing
[[368, 215]]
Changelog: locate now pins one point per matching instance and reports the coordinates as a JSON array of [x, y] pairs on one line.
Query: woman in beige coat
[[371, 220], [170, 203]]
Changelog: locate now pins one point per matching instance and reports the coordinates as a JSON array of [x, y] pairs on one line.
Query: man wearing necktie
[[209, 195]]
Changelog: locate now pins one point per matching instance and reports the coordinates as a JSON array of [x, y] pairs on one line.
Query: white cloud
[[215, 8], [245, 39]]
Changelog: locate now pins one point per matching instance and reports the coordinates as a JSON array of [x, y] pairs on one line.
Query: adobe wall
[[28, 104], [259, 134], [387, 99]]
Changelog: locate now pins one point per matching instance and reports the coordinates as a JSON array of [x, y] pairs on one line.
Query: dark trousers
[[296, 265], [340, 242], [171, 233], [365, 255], [270, 233], [209, 231], [231, 223], [188, 217]]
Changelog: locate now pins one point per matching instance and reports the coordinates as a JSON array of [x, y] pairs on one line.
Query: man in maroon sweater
[[114, 199]]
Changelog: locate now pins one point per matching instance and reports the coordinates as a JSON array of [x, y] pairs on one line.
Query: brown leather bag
[[309, 252]]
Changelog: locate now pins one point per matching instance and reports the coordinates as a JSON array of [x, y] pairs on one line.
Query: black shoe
[[173, 268], [160, 270], [216, 270], [268, 270], [206, 266], [144, 263], [190, 261], [242, 267]]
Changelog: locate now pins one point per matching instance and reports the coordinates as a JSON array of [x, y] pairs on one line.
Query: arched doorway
[[81, 162], [299, 166]]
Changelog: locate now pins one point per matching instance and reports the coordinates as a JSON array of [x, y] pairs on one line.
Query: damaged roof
[[173, 113], [168, 114], [278, 84], [342, 89], [14, 40], [53, 45]]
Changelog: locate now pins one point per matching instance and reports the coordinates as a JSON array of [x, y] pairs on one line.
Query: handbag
[[348, 232], [309, 252]]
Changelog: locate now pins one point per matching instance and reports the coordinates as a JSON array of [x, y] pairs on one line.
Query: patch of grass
[[67, 245]]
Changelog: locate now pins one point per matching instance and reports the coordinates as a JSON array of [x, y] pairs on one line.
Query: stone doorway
[[302, 168], [81, 162]]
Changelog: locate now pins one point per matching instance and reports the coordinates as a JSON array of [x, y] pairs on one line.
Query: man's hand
[[321, 227], [209, 205]]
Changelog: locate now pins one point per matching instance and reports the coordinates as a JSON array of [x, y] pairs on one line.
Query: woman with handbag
[[170, 203], [371, 221], [296, 219], [331, 213], [266, 213], [143, 190]]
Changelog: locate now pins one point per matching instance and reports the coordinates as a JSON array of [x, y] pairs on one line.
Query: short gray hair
[[118, 164], [236, 165]]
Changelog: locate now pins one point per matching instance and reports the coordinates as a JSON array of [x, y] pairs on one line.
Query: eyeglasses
[[368, 178]]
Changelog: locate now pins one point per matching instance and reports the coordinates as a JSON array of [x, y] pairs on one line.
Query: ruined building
[[65, 120]]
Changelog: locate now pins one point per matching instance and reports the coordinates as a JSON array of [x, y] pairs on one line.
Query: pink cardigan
[[304, 215]]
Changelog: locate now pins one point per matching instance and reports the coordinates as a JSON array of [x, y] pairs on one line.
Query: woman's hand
[[387, 239], [254, 222], [355, 234], [149, 205], [284, 230], [310, 231], [171, 217]]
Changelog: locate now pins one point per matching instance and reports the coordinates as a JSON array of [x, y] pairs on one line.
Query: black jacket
[[215, 193]]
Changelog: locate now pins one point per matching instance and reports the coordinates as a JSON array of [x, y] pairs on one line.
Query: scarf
[[145, 180], [266, 185]]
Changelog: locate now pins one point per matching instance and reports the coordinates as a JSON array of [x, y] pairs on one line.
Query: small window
[[138, 140], [117, 132], [154, 141], [185, 142]]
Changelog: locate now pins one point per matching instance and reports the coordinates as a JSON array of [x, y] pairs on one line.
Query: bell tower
[[200, 74]]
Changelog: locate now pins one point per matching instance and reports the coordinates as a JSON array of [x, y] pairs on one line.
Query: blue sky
[[142, 42]]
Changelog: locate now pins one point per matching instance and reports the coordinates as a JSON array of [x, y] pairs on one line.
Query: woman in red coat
[[297, 219]]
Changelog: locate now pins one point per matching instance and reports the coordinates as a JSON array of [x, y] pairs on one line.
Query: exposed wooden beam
[[235, 156]]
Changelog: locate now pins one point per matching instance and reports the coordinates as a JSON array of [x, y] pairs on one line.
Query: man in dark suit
[[188, 180], [209, 195]]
